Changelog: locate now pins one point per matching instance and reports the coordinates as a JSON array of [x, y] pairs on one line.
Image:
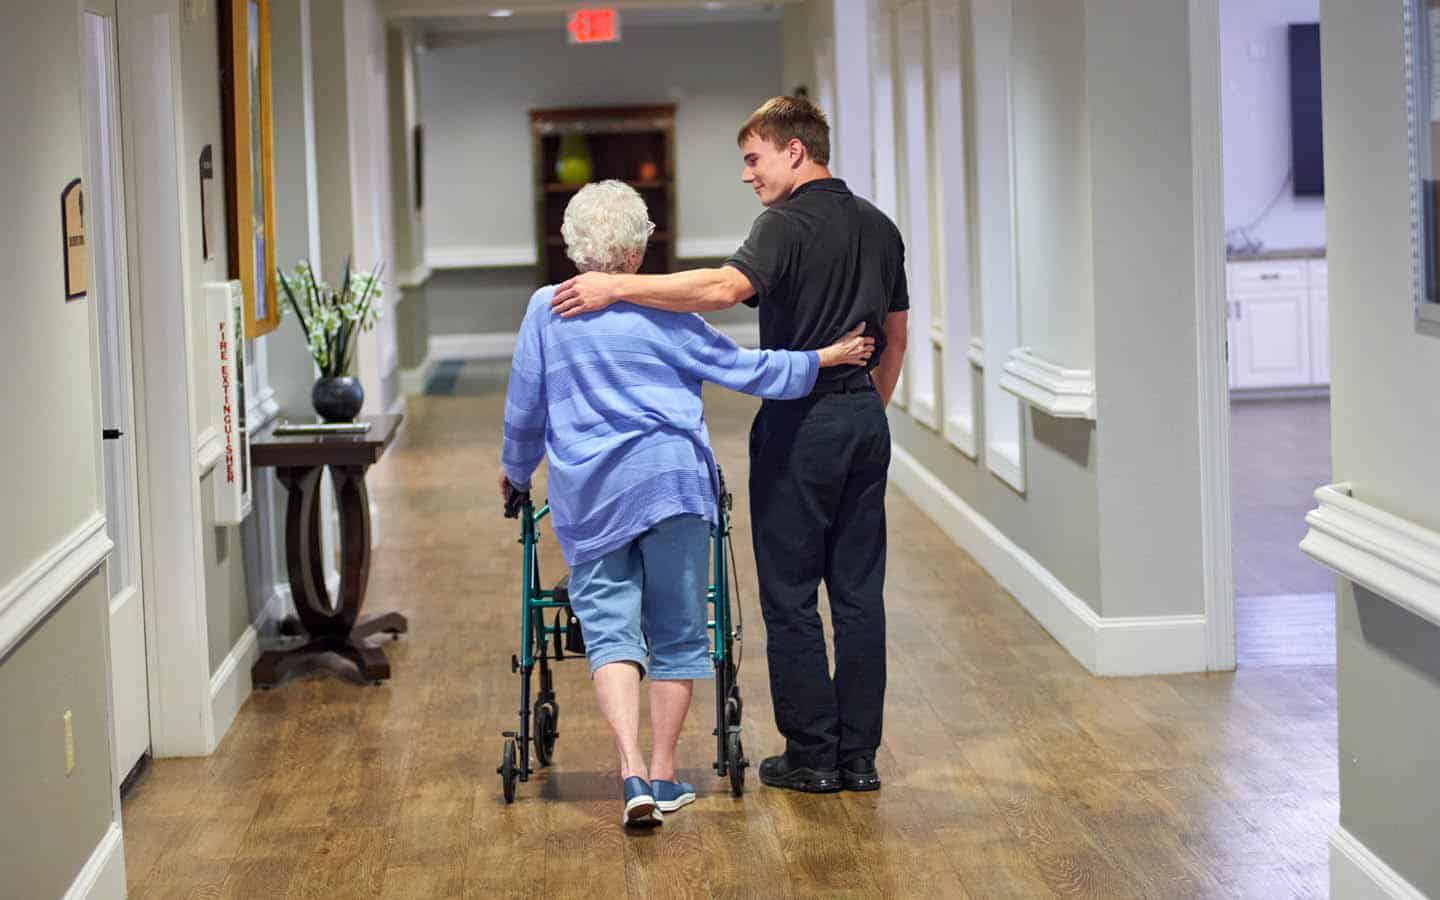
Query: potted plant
[[332, 321]]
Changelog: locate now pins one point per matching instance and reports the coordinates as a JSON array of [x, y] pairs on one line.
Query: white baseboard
[[478, 256], [1149, 645], [450, 347], [1356, 873], [103, 876], [413, 381], [231, 684], [708, 248]]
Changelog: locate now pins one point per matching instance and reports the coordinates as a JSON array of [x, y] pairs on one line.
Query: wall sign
[[76, 255], [594, 26]]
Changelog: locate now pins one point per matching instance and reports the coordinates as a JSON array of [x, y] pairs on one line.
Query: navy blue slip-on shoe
[[776, 771], [640, 808], [671, 795]]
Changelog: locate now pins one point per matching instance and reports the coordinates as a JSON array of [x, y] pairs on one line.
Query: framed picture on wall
[[249, 143]]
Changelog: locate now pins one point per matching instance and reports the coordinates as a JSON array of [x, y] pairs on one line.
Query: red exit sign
[[594, 26]]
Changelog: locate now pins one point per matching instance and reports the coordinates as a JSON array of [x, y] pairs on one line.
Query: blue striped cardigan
[[613, 400]]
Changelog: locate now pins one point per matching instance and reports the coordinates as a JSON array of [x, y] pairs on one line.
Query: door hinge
[[112, 434]]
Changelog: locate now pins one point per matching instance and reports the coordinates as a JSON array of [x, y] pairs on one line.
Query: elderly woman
[[613, 401]]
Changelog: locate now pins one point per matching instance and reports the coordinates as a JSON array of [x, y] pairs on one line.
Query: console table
[[332, 627]]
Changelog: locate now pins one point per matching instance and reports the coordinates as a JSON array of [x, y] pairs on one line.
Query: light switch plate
[[69, 742]]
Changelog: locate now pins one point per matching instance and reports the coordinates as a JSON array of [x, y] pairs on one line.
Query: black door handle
[[111, 434]]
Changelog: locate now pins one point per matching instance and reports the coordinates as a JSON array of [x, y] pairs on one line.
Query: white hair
[[606, 223]]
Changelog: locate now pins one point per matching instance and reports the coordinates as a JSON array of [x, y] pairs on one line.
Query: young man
[[818, 261]]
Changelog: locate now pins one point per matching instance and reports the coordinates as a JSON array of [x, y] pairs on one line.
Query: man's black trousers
[[817, 510]]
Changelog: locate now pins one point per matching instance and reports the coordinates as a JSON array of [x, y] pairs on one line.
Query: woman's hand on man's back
[[854, 349]]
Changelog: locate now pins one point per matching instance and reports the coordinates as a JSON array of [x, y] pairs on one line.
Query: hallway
[[1009, 771]]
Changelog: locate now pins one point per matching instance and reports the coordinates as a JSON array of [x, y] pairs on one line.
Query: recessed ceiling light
[[501, 13], [715, 4]]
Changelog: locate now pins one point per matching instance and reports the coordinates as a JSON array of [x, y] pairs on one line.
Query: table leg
[[332, 627]]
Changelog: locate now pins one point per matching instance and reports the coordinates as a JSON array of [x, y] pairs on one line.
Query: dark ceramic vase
[[338, 399]]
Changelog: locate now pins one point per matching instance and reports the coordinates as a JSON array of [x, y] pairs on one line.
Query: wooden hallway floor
[[1009, 771]]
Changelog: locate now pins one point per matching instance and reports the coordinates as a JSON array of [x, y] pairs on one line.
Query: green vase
[[574, 165]]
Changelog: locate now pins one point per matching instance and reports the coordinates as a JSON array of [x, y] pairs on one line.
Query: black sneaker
[[776, 771], [860, 775]]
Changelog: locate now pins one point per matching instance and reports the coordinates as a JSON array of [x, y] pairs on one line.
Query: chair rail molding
[[31, 595], [1060, 392], [1392, 556], [208, 449], [415, 277]]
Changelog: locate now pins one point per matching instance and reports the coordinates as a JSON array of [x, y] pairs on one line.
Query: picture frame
[[75, 253], [249, 145]]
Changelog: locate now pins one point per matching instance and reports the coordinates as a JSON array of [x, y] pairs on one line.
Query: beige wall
[[228, 603], [53, 821], [1386, 427], [50, 481], [1142, 252], [478, 155]]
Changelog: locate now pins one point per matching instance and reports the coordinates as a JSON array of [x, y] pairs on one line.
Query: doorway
[[1277, 315], [129, 676]]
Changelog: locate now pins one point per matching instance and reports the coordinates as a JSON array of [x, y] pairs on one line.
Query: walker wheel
[[507, 770], [733, 709], [736, 763], [547, 717]]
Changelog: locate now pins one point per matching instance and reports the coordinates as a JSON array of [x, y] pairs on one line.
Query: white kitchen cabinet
[[1319, 323], [1278, 324]]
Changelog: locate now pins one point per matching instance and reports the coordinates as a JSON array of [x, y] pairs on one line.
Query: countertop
[[1284, 253]]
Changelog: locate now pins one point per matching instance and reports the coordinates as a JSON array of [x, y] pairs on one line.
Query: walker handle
[[514, 500]]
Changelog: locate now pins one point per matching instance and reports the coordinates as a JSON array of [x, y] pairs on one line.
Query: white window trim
[[952, 225], [912, 70], [991, 26]]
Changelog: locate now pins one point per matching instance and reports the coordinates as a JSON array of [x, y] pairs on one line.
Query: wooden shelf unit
[[620, 140]]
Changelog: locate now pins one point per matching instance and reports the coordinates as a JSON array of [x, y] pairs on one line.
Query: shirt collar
[[834, 185]]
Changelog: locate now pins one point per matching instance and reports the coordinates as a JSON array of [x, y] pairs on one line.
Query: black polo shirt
[[821, 262]]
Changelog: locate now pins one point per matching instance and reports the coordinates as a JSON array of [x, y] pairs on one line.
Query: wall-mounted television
[[1307, 150]]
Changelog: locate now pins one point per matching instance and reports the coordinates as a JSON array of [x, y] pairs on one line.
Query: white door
[[105, 193], [1272, 339]]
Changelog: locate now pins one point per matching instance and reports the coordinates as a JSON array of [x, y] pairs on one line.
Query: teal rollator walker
[[542, 643]]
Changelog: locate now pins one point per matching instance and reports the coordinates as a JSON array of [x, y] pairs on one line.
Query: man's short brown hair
[[783, 119]]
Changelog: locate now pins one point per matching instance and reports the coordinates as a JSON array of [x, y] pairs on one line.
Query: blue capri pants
[[645, 602]]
